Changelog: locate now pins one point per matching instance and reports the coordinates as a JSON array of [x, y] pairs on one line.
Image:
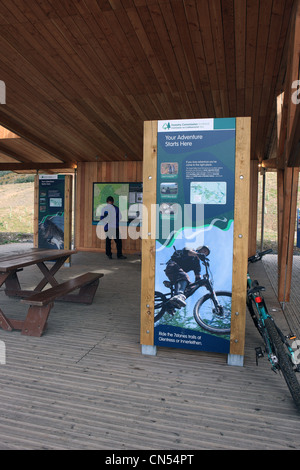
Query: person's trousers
[[118, 242]]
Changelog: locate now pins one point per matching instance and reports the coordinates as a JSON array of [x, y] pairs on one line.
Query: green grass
[[270, 237]]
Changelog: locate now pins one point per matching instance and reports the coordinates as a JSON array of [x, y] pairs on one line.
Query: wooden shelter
[[82, 77]]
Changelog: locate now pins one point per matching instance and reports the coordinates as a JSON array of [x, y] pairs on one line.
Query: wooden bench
[[41, 303]]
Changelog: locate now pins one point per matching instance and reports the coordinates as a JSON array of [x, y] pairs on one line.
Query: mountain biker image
[[180, 263]]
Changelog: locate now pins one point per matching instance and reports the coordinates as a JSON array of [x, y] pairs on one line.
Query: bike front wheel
[[210, 317], [284, 361]]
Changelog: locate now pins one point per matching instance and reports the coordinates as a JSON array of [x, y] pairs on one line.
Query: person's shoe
[[109, 256], [179, 300], [122, 257]]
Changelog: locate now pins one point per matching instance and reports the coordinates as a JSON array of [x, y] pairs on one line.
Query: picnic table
[[41, 301]]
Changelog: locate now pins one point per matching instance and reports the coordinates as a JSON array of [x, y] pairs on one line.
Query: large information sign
[[51, 211], [194, 240]]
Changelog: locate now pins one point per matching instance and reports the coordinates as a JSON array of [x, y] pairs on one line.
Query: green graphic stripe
[[175, 236]]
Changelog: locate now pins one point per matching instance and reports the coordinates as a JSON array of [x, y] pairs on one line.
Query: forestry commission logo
[[2, 92]]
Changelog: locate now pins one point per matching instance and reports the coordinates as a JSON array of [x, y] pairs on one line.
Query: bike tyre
[[163, 298], [285, 363], [197, 314]]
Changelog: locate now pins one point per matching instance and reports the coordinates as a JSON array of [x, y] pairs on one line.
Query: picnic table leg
[[36, 320], [4, 322], [12, 283], [49, 273]]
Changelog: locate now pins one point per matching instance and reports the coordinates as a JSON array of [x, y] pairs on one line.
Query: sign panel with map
[[51, 212], [194, 244]]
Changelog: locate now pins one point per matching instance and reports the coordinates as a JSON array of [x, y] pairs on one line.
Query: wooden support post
[[253, 207], [280, 201], [240, 241], [287, 231], [148, 238]]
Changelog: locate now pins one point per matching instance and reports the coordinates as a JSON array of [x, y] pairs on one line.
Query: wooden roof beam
[[270, 164], [36, 166]]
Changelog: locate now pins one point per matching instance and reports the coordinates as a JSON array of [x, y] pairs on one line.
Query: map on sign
[[130, 204], [206, 192]]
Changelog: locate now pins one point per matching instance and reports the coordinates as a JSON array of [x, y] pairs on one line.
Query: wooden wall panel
[[88, 173]]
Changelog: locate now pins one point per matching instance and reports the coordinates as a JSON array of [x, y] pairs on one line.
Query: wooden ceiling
[[82, 76]]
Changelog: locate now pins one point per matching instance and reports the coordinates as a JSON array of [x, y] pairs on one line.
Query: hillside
[[16, 208], [270, 216]]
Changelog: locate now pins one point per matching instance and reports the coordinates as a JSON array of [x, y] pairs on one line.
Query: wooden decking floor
[[86, 385]]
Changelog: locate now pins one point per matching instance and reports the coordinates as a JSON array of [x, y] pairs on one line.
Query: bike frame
[[192, 287]]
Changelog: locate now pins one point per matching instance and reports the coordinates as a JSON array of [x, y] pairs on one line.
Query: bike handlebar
[[258, 256]]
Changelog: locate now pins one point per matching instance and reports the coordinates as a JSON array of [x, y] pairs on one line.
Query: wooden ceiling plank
[[251, 41], [169, 20], [262, 40], [138, 58], [229, 46], [110, 74], [18, 68], [207, 41], [276, 43], [179, 13], [159, 39], [146, 45], [240, 53], [156, 46], [165, 44], [118, 44], [215, 11], [12, 13]]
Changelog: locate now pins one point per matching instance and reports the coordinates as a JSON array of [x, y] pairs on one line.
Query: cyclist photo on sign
[[182, 262], [187, 298]]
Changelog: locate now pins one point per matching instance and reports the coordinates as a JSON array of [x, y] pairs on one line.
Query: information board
[[127, 196], [51, 212], [195, 197]]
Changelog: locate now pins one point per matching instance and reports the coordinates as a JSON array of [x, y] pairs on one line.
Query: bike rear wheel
[[206, 316], [285, 361]]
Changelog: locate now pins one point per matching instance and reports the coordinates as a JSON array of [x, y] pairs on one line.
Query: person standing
[[113, 216]]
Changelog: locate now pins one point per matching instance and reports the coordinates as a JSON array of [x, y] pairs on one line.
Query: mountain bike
[[212, 311], [276, 344]]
